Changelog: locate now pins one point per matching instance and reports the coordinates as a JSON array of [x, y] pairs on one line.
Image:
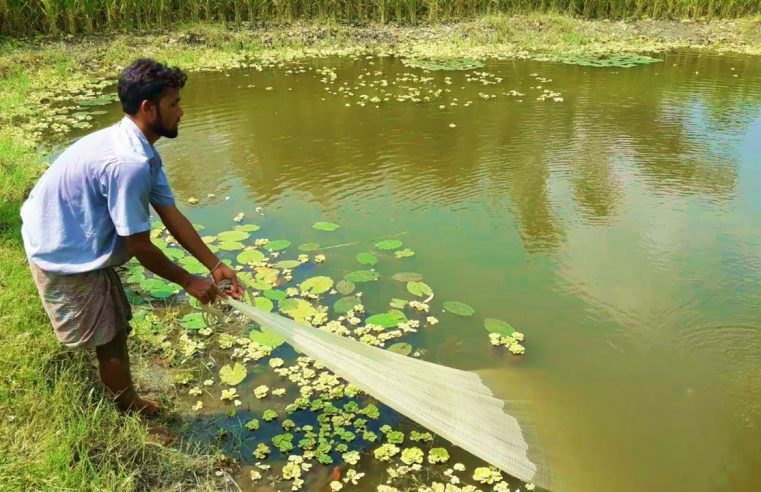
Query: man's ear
[[148, 108]]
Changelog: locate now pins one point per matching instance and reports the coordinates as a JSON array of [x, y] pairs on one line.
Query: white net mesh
[[452, 403]]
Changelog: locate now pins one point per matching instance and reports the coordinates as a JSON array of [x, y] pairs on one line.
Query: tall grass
[[26, 17]]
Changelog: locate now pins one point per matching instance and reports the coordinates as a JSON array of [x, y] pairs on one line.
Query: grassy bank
[[88, 16], [56, 431]]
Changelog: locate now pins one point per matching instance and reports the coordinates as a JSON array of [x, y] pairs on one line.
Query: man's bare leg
[[113, 366]]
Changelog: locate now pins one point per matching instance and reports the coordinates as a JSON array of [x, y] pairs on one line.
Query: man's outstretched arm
[[155, 260], [184, 232]]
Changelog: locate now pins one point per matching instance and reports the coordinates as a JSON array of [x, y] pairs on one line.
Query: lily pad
[[441, 63], [264, 304], [231, 245], [316, 285], [345, 287], [404, 253], [249, 281], [389, 244], [493, 325], [325, 226], [298, 309], [158, 288], [459, 308], [367, 258], [362, 276], [266, 338], [159, 243], [401, 348], [346, 304], [288, 264], [233, 375], [387, 320], [274, 294], [233, 236], [420, 289], [174, 253], [246, 227], [407, 277], [307, 247], [192, 321], [277, 245], [250, 256]]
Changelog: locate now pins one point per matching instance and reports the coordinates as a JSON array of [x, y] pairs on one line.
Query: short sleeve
[[161, 192], [127, 187]]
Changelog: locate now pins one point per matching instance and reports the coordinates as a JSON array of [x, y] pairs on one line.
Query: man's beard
[[160, 129]]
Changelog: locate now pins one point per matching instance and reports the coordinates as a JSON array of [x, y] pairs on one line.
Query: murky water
[[619, 229]]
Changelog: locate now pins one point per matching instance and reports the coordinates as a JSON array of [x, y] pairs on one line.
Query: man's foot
[[145, 407]]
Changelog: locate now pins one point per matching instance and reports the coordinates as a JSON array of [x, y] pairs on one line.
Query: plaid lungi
[[86, 309]]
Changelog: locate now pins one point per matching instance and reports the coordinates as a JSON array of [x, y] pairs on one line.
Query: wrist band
[[215, 266]]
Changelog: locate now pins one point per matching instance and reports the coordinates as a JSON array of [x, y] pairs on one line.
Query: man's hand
[[201, 288], [224, 272]]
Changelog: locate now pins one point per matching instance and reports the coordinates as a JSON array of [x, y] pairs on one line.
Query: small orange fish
[[336, 474]]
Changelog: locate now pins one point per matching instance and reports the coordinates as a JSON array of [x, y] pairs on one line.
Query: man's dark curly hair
[[146, 79]]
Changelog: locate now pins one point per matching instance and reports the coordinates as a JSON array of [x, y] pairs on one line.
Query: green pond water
[[619, 229]]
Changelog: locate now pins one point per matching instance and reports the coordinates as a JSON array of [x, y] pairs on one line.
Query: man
[[89, 213]]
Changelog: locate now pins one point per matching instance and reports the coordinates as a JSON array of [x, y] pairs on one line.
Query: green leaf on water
[[233, 375], [274, 294], [250, 256], [264, 304], [233, 236], [389, 244], [346, 304], [407, 277], [307, 247], [316, 285], [442, 63], [367, 258], [246, 227], [404, 253], [401, 348], [192, 321], [231, 245], [98, 101], [398, 303], [174, 253], [249, 281], [135, 277], [159, 243], [298, 309], [493, 325], [266, 338], [277, 245], [362, 276], [325, 226], [387, 320], [420, 289], [459, 308], [345, 287], [158, 288], [288, 264]]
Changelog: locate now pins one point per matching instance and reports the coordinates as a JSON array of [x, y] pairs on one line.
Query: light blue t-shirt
[[96, 192]]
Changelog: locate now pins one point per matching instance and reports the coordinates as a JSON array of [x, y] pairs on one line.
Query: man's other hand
[[224, 272], [201, 288]]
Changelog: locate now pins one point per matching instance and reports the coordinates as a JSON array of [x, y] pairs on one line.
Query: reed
[[28, 17]]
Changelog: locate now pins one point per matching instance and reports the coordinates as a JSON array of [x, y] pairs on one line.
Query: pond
[[609, 214]]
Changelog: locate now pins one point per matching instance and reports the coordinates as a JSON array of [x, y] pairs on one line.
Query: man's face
[[168, 113]]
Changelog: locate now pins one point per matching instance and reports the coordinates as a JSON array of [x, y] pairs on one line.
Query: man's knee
[[116, 348]]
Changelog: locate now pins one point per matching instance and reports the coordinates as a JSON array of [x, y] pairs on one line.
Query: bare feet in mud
[[144, 407]]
